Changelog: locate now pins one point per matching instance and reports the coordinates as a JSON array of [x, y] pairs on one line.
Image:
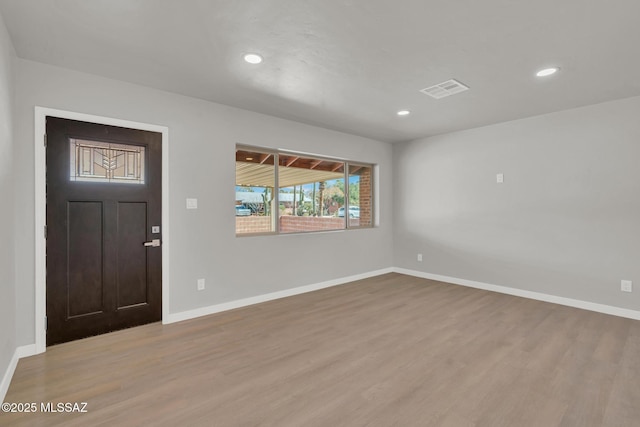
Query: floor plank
[[390, 350]]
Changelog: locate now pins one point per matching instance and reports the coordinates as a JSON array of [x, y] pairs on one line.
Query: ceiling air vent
[[444, 89]]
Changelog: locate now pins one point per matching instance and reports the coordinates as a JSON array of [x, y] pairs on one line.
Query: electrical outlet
[[420, 257], [201, 284], [192, 203], [626, 286], [500, 178]]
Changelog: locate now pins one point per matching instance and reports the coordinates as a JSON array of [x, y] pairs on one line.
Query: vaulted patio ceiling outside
[[256, 170]]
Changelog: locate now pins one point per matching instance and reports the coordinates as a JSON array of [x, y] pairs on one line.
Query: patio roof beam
[[264, 157], [315, 164], [292, 161]]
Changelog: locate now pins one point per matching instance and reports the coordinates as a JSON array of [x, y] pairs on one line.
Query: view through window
[[313, 194]]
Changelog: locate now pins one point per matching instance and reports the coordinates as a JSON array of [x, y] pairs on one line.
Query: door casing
[[40, 209]]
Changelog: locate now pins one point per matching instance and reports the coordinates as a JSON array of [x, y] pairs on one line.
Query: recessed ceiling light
[[403, 112], [253, 58], [547, 72]]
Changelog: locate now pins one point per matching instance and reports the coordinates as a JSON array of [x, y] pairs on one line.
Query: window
[[360, 196], [255, 195], [311, 193], [303, 194], [105, 162]]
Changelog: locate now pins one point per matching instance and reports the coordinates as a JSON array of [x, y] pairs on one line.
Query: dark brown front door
[[104, 262]]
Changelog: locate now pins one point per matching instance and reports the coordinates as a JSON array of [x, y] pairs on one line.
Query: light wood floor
[[387, 351]]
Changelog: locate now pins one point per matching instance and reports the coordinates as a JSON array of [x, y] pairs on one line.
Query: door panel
[[103, 197], [132, 280], [84, 246]]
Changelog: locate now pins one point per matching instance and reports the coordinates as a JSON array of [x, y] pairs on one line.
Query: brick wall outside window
[[290, 224], [366, 207]]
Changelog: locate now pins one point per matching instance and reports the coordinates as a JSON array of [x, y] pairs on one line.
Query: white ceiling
[[349, 65]]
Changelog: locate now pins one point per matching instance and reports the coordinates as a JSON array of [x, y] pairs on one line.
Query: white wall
[[7, 259], [565, 222], [202, 165]]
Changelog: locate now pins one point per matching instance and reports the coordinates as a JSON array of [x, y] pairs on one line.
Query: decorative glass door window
[[94, 161]]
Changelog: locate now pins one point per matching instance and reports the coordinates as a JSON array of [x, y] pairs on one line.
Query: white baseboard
[[8, 374], [585, 305], [24, 351], [204, 311], [29, 350]]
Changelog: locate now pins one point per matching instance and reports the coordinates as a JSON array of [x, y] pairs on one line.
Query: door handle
[[154, 243]]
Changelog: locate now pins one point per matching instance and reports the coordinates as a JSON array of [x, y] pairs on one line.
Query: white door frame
[[41, 114]]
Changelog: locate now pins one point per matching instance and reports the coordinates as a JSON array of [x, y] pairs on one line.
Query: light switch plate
[[201, 284], [192, 203]]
